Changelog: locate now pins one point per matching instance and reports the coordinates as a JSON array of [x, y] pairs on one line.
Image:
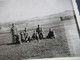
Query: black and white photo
[[37, 29]]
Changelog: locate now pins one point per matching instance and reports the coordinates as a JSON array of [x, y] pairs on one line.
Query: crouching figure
[[22, 37], [51, 34], [17, 39], [35, 36], [41, 36]]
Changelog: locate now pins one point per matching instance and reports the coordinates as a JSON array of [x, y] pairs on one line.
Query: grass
[[45, 48]]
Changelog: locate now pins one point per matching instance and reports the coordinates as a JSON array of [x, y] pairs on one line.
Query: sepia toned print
[[36, 29]]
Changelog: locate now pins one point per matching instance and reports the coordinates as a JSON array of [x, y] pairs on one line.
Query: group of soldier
[[23, 36]]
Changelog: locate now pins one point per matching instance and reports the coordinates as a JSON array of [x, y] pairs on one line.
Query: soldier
[[22, 37], [29, 39], [25, 34], [39, 31], [35, 36], [41, 36], [51, 34], [17, 39], [13, 33]]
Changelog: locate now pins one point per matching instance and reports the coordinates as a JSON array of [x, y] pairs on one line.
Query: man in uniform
[[13, 33], [25, 33], [39, 31], [51, 34], [22, 37], [35, 36]]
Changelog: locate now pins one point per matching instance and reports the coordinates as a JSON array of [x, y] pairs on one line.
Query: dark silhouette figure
[[41, 36], [17, 39], [29, 39], [50, 34], [13, 33], [22, 37], [25, 34], [35, 36], [39, 31]]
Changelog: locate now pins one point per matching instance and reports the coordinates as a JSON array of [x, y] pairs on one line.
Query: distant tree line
[[66, 18]]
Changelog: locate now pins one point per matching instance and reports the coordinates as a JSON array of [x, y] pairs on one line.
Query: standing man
[[13, 33]]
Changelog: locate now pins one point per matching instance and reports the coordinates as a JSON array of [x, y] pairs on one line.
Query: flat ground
[[45, 48]]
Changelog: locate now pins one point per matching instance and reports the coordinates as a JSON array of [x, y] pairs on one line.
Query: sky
[[16, 10]]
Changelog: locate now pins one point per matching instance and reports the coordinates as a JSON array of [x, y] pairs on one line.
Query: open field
[[45, 48]]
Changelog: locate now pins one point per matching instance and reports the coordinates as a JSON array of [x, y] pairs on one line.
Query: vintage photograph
[[37, 29]]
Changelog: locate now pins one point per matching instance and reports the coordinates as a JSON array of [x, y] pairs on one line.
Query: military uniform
[[13, 33], [22, 37], [51, 34], [25, 35], [39, 31], [35, 36]]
